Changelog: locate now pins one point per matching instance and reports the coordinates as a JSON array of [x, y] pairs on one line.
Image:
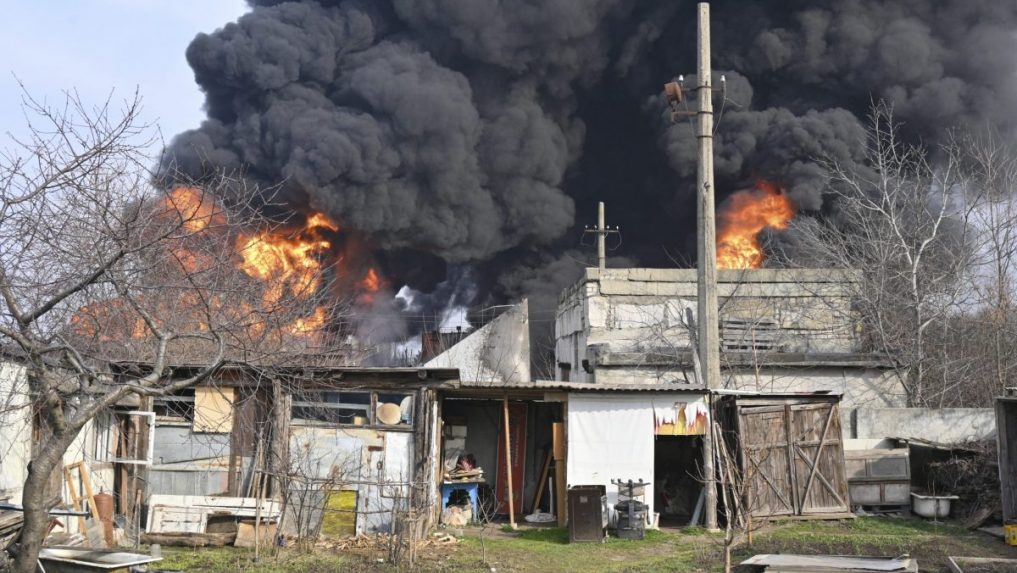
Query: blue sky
[[96, 46]]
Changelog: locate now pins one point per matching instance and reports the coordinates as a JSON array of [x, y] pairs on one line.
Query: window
[[395, 409], [566, 371], [179, 405], [104, 431], [352, 408]]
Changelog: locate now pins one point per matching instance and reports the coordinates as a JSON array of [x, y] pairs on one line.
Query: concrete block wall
[[946, 425], [641, 310]]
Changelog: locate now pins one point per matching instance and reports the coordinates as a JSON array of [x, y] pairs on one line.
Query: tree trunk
[[34, 498]]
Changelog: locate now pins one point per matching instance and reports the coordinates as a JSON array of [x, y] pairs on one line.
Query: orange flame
[[284, 261], [309, 324], [197, 210], [743, 217], [290, 263], [370, 284]]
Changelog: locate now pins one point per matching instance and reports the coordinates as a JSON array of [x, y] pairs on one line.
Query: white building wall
[[377, 464], [15, 431], [499, 351]]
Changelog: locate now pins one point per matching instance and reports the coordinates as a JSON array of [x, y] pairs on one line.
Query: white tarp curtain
[[611, 436]]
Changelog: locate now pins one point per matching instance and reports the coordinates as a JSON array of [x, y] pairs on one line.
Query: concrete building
[[781, 330], [498, 351]]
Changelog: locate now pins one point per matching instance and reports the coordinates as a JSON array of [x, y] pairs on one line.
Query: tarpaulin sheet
[[611, 436]]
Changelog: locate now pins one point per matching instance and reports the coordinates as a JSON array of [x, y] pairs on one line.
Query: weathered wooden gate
[[792, 456]]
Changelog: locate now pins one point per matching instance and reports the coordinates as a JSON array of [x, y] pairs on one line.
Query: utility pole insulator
[[602, 231]]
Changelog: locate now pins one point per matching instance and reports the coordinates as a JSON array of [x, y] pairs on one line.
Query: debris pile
[[465, 469]]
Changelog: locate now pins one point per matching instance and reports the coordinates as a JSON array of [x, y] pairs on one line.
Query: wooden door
[[793, 459], [820, 479], [766, 460]]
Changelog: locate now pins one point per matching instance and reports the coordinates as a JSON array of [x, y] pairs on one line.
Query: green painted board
[[340, 513]]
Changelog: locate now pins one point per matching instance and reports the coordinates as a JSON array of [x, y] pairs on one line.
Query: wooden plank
[[560, 450], [792, 474], [248, 537], [87, 482], [777, 491], [1006, 431], [340, 516], [75, 500], [825, 482], [765, 460], [558, 440], [213, 409], [541, 481], [819, 453], [168, 519], [509, 483]]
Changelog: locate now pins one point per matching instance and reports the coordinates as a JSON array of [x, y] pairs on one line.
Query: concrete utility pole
[[706, 256], [601, 242], [602, 231]]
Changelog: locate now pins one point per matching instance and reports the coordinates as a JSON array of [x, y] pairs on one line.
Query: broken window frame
[[147, 460], [307, 401], [104, 428], [176, 414], [370, 409]]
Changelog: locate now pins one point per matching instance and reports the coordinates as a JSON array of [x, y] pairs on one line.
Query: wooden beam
[[75, 499], [541, 481], [508, 464], [559, 451]]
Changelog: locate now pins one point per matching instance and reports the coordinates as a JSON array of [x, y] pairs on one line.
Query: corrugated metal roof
[[559, 386], [310, 371]]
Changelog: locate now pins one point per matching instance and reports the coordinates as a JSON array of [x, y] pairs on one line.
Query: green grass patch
[[229, 559], [690, 550]]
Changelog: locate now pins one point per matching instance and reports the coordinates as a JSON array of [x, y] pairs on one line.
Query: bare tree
[[903, 219], [992, 168], [98, 264]]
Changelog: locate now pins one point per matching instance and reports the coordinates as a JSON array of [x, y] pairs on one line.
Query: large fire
[[290, 264], [196, 209], [742, 218]]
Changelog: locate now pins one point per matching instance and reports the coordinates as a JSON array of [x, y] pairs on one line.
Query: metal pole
[[706, 260], [601, 234]]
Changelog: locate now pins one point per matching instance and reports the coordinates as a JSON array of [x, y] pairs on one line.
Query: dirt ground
[[494, 550]]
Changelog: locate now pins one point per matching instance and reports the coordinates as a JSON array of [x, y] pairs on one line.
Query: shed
[[790, 451], [1006, 428]]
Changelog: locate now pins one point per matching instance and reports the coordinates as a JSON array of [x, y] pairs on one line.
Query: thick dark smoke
[[482, 133]]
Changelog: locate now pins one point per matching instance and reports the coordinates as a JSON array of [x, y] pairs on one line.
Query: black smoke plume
[[482, 133]]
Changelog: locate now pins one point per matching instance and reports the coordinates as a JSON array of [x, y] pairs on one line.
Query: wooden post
[[76, 504], [541, 481], [706, 259], [558, 450], [508, 464]]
